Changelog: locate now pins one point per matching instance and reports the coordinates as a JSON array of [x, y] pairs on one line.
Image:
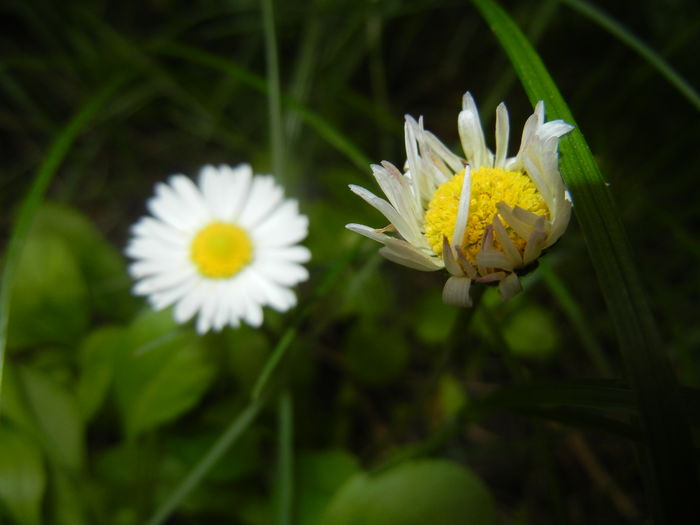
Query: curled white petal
[[456, 291], [509, 286]]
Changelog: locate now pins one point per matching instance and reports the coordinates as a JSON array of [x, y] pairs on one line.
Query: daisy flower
[[485, 216], [220, 249]]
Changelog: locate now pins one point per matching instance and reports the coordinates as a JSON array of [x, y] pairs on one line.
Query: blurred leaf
[[434, 319], [375, 353], [451, 396], [319, 475], [239, 461], [60, 146], [102, 265], [414, 493], [161, 372], [22, 477], [248, 351], [97, 358], [49, 295], [44, 409], [531, 332], [66, 501], [600, 394]]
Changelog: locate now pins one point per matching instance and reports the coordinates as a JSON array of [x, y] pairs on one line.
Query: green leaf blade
[[22, 477]]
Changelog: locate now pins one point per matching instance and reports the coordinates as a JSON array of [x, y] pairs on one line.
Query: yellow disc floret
[[220, 250], [489, 186]]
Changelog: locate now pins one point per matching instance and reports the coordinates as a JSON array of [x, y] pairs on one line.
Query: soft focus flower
[[221, 249], [482, 217]]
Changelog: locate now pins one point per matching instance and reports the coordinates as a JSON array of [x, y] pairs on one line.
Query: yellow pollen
[[489, 186], [220, 250]]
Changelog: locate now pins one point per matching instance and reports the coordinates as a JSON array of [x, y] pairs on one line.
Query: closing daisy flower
[[221, 249], [483, 217]]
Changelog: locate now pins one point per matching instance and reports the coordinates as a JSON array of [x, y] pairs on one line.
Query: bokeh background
[[107, 406]]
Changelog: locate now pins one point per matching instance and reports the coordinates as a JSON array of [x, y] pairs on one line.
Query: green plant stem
[[29, 205], [215, 453], [285, 451], [633, 42], [667, 450]]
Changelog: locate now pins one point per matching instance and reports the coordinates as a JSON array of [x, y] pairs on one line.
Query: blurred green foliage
[[107, 407]]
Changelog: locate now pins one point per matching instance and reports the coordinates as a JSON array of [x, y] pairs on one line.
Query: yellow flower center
[[489, 186], [220, 250]]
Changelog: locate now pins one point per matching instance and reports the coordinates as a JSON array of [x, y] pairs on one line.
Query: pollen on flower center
[[220, 250], [489, 186]]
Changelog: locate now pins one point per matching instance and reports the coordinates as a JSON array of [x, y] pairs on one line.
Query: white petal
[[471, 134], [177, 205], [456, 292], [413, 160], [152, 248], [293, 254], [408, 259], [532, 124], [279, 298], [225, 303], [398, 246], [538, 178], [561, 216], [205, 318], [148, 267], [553, 129], [535, 242], [521, 220], [283, 227], [163, 280], [491, 258], [160, 300], [463, 209], [149, 227], [509, 286], [235, 190], [405, 228], [502, 132], [509, 248], [265, 195], [449, 259], [285, 274], [397, 188], [188, 305], [190, 196], [450, 159]]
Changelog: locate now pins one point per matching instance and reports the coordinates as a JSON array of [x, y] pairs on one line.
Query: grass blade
[[273, 89], [320, 125], [232, 432], [568, 304], [667, 450], [285, 474], [57, 152], [652, 57]]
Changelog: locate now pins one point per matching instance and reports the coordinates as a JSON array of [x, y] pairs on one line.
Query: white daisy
[[222, 249], [481, 217]]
